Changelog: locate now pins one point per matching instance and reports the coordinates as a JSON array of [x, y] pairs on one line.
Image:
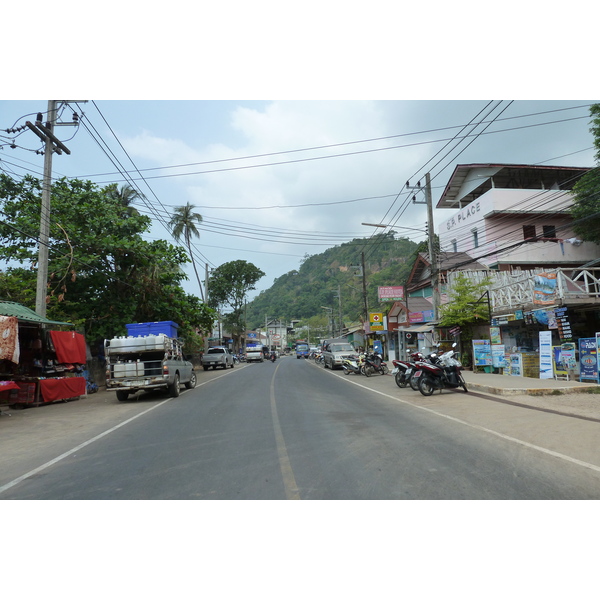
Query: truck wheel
[[205, 368], [192, 382], [174, 387], [122, 395]]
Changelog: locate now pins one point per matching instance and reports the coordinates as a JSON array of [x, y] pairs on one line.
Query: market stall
[[39, 361]]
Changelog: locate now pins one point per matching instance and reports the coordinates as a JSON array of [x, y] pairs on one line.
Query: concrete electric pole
[[51, 144]]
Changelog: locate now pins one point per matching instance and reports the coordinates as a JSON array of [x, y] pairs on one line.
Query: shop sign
[[420, 317], [391, 293], [563, 324], [376, 321]]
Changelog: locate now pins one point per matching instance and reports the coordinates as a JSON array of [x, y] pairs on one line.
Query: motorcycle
[[374, 364], [353, 364], [273, 357], [444, 374], [403, 371]]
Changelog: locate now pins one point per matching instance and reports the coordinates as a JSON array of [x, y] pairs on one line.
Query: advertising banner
[[495, 336], [546, 369], [544, 288], [498, 356], [482, 353], [516, 365], [588, 359]]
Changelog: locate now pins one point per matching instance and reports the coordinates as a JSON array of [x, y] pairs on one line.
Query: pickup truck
[[254, 353], [151, 362], [217, 357]]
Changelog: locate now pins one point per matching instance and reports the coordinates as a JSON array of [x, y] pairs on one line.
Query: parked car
[[217, 357], [335, 352]]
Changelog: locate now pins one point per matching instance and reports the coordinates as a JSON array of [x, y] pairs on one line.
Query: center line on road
[[289, 481]]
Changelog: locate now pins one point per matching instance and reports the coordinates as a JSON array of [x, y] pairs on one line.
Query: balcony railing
[[514, 290]]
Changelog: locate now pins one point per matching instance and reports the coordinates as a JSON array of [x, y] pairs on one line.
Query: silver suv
[[335, 352], [217, 357]]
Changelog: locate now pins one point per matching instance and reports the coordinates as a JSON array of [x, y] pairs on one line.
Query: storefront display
[[38, 364]]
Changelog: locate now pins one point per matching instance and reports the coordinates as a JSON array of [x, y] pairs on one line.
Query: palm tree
[[127, 195], [183, 224]]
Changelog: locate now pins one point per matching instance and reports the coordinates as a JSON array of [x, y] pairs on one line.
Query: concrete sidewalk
[[507, 385]]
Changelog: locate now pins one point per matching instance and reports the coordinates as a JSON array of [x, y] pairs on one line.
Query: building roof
[[468, 182], [420, 275], [13, 309]]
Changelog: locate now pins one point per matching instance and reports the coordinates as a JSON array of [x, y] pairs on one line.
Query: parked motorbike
[[444, 374], [353, 364], [403, 371], [374, 363]]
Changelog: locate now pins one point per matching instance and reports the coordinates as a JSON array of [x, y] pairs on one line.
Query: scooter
[[445, 374], [273, 357], [354, 364], [374, 364], [402, 372]]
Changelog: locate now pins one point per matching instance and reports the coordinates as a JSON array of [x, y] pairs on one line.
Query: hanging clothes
[[9, 339], [69, 346]]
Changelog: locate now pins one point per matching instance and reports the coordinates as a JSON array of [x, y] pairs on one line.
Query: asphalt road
[[292, 430]]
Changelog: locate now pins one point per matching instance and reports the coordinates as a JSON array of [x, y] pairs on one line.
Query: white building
[[513, 217]]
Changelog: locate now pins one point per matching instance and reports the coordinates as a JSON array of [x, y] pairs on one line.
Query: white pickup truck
[[217, 357], [149, 362], [254, 353]]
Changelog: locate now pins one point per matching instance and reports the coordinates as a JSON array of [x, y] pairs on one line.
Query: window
[[549, 231], [528, 232], [475, 238]]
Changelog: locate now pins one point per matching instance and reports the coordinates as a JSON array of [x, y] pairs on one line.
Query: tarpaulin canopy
[[13, 309]]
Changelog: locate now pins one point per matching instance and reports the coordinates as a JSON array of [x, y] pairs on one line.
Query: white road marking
[[14, 482], [570, 459]]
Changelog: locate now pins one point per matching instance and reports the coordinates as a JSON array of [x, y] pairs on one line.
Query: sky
[[277, 180], [254, 84]]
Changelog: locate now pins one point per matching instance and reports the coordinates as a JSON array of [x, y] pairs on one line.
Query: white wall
[[497, 231]]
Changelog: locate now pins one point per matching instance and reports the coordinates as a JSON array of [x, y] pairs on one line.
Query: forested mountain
[[301, 294]]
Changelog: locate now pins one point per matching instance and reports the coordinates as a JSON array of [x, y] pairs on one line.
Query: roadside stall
[[39, 362]]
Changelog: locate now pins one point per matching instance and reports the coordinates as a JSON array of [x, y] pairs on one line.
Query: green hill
[[301, 294]]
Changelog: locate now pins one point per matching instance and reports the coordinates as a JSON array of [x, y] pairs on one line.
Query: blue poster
[[588, 359]]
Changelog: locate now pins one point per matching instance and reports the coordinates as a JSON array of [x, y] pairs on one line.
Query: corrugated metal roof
[[13, 309]]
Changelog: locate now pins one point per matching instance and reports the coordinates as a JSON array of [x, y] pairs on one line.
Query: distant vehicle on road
[[302, 349], [335, 352], [217, 357]]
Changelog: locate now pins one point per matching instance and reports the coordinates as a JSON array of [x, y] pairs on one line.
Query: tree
[[183, 224], [127, 195], [586, 208], [467, 306], [229, 285], [102, 273]]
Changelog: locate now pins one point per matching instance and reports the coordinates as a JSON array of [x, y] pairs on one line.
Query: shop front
[[40, 362]]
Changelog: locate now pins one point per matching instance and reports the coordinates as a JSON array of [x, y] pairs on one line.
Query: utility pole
[[51, 144], [431, 243], [364, 285]]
